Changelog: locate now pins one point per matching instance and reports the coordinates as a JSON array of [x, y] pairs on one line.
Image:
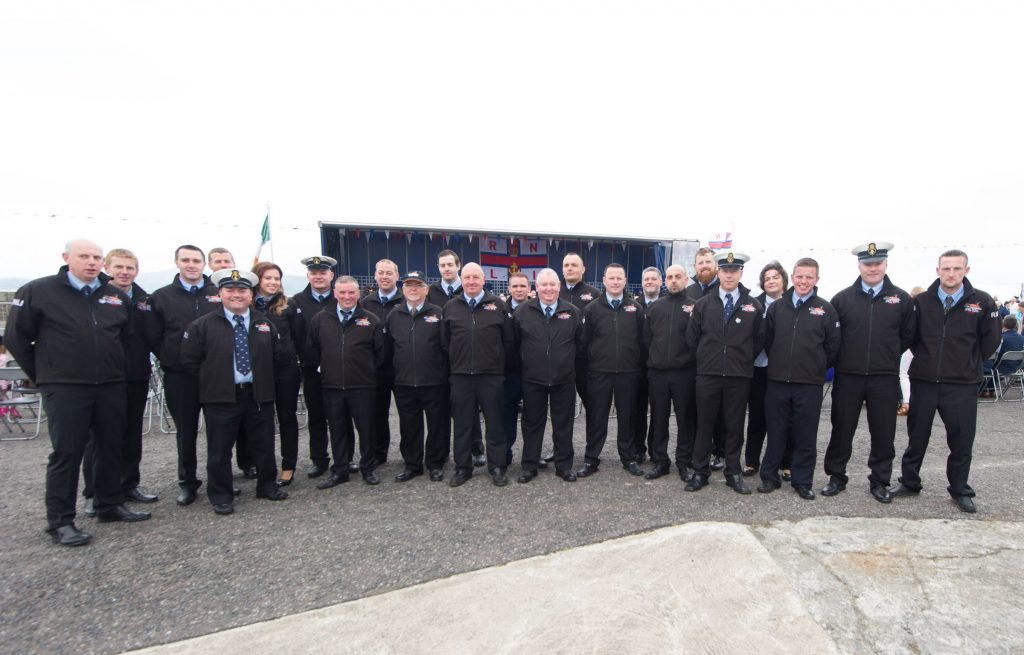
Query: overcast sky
[[804, 127]]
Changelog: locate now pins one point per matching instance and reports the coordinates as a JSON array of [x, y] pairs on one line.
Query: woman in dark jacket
[[271, 301]]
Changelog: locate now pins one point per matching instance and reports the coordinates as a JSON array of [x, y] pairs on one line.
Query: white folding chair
[[17, 399]]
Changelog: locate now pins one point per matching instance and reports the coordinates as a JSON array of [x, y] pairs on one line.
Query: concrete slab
[[683, 589], [898, 586]]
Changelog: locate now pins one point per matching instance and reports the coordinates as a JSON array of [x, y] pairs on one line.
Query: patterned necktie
[[383, 300], [87, 291], [548, 312], [616, 303], [345, 315], [871, 293], [413, 312], [799, 303], [451, 291], [472, 303], [242, 360], [193, 289], [729, 307], [949, 304]]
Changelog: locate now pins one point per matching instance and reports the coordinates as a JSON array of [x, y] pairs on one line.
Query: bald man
[[68, 332]]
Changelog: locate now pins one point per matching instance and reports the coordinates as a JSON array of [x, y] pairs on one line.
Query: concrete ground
[[609, 561]]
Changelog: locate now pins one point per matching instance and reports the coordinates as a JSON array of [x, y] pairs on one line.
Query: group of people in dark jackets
[[235, 347]]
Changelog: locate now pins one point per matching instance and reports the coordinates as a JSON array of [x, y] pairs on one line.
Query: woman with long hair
[[774, 282], [271, 301]]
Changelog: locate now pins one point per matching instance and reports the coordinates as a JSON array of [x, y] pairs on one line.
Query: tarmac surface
[[188, 573]]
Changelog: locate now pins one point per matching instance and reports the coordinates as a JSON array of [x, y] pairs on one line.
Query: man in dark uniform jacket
[[613, 334], [68, 332], [548, 333], [957, 329], [234, 353], [518, 294], [650, 283], [123, 266], [381, 301], [449, 266], [413, 331], [672, 376], [802, 339], [475, 332], [706, 282], [878, 322], [185, 299], [316, 297], [349, 347], [579, 293], [726, 333]]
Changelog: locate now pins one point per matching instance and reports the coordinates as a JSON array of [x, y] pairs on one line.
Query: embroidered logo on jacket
[[143, 307], [362, 322], [563, 316], [587, 296], [213, 299], [491, 307], [816, 311], [110, 300], [431, 319], [629, 308], [749, 308], [687, 308], [972, 308], [892, 300], [262, 327]]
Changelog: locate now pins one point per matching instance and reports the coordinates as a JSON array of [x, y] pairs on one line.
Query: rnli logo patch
[[143, 307], [491, 307], [110, 300], [262, 327], [563, 316], [17, 302], [816, 311], [431, 319], [748, 308], [629, 308], [892, 300], [972, 308], [362, 322], [687, 308], [587, 296], [215, 299]]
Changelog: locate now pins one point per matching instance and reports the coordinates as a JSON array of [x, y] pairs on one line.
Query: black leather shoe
[[333, 481], [965, 504], [526, 476], [655, 472], [186, 497], [717, 463], [235, 490], [371, 478], [281, 482], [633, 468], [69, 535], [436, 475], [353, 467], [804, 492], [586, 470], [121, 513], [686, 474], [833, 488], [407, 475], [900, 491], [479, 460], [881, 494], [460, 478], [250, 473], [224, 509], [696, 483], [139, 496], [767, 487], [316, 471], [566, 475], [499, 477], [276, 494], [90, 509], [737, 484]]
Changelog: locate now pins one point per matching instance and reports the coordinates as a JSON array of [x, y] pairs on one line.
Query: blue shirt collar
[[610, 299], [735, 293], [544, 307], [387, 297], [340, 310], [418, 308], [797, 297], [79, 284], [878, 287], [231, 317], [477, 298], [957, 295]]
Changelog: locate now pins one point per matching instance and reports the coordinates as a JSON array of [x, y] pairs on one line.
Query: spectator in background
[[905, 368]]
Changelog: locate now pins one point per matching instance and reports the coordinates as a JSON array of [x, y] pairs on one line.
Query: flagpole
[[271, 234]]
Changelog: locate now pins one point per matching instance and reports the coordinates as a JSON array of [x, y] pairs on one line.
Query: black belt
[[243, 386]]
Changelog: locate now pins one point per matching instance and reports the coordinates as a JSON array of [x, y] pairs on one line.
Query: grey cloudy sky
[[805, 127]]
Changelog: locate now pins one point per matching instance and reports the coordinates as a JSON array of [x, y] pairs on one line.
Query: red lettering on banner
[[534, 246], [492, 245]]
